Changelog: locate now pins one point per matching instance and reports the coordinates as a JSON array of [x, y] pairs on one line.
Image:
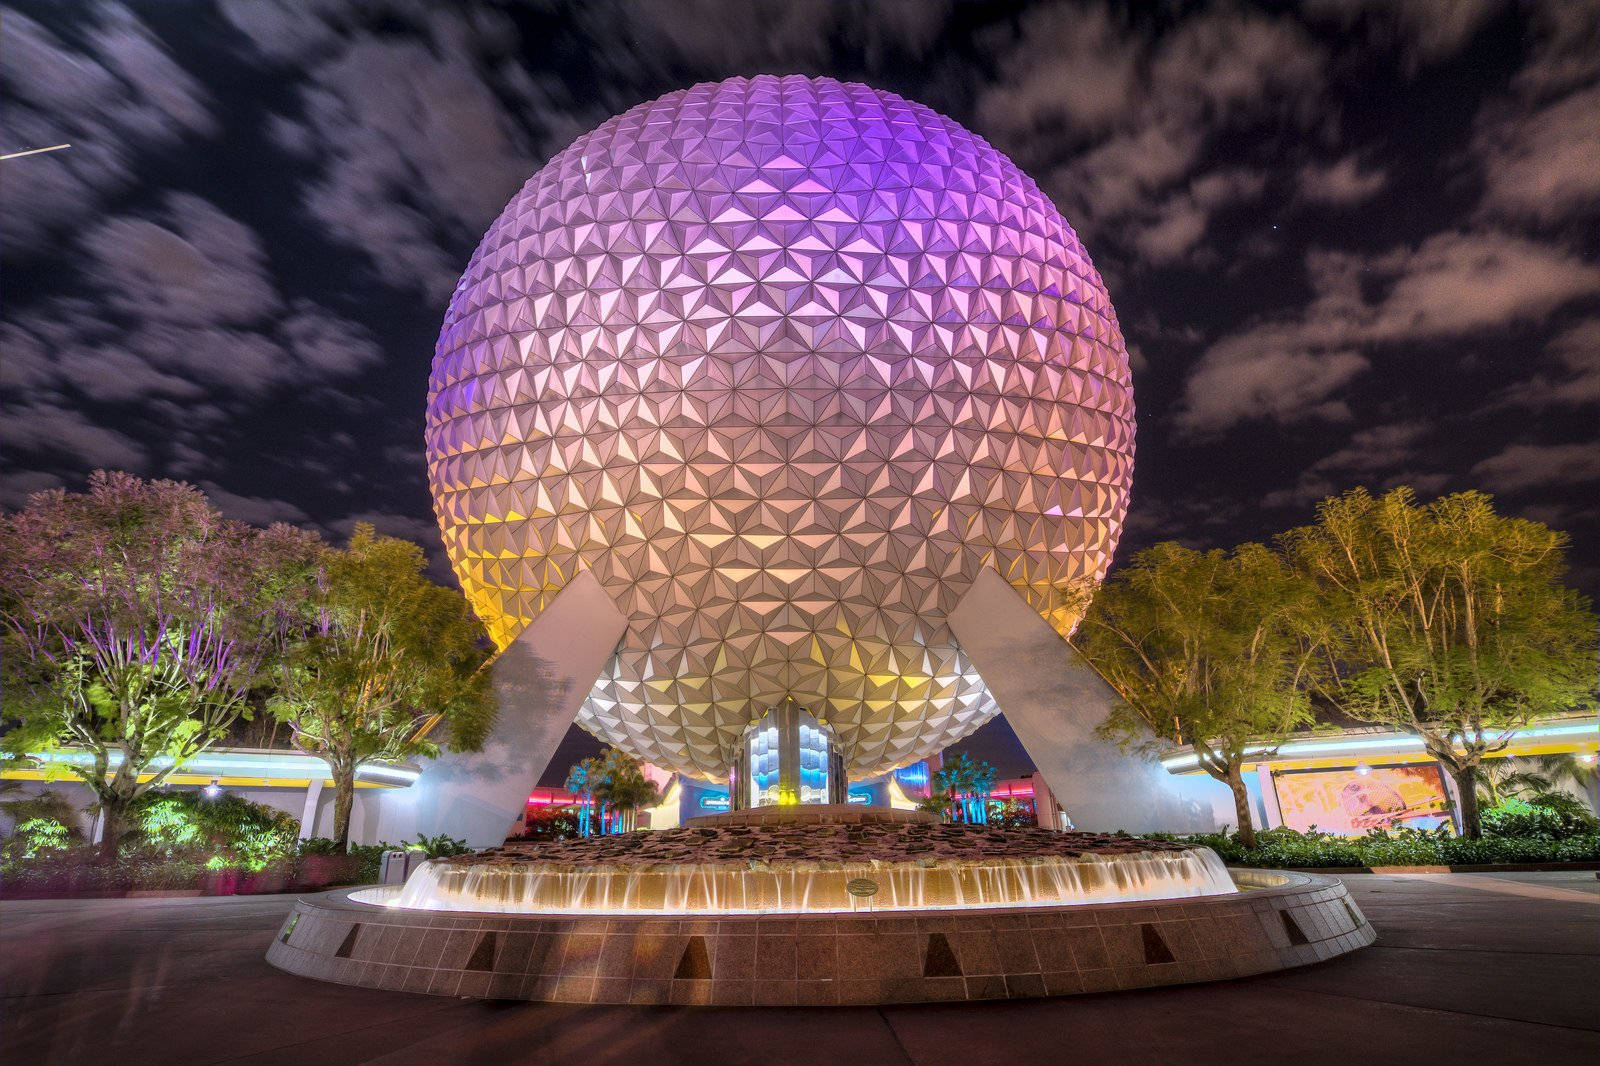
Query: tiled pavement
[[1501, 968]]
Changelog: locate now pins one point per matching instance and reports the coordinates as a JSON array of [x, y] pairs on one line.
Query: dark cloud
[[1066, 71], [191, 265], [253, 509], [413, 150], [117, 99], [1344, 183], [1376, 457], [1541, 165], [1352, 242], [1573, 380], [1116, 118], [68, 433], [1295, 367], [1180, 222], [1425, 30], [1530, 466], [736, 37]]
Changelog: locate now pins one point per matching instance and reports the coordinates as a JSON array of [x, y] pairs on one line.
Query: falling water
[[546, 888]]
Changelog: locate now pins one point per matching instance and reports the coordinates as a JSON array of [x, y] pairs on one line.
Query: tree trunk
[[1466, 779], [113, 811], [116, 797], [344, 794], [1241, 807]]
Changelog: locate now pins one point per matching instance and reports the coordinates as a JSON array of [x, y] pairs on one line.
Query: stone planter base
[[1285, 920]]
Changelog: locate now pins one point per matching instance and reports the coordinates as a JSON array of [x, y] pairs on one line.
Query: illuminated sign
[[1349, 802], [714, 801], [858, 795]]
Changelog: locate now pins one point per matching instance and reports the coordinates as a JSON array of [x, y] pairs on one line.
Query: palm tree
[[581, 781], [968, 784], [622, 786], [1536, 779]]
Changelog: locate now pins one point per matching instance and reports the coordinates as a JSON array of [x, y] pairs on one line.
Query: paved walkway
[[1493, 968]]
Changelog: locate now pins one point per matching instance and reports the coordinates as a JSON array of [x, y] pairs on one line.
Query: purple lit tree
[[136, 620]]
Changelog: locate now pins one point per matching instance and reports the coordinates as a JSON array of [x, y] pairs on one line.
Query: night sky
[[1350, 242]]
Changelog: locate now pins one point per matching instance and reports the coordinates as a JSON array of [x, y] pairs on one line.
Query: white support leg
[[542, 680], [1054, 702], [308, 814]]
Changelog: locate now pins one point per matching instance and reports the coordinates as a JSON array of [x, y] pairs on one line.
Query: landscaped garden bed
[[184, 843], [1278, 849]]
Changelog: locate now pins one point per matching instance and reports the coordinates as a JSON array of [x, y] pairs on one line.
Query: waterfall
[[533, 887]]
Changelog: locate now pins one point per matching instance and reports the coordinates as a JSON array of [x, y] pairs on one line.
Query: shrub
[[1546, 818], [549, 825], [1283, 847], [321, 846], [438, 847], [37, 835], [226, 832]]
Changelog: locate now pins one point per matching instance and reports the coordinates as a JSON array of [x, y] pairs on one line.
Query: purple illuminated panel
[[783, 362]]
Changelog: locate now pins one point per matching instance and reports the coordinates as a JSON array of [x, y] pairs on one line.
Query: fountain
[[819, 904], [807, 863], [746, 397]]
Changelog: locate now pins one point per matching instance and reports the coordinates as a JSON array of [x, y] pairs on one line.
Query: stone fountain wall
[[1287, 920]]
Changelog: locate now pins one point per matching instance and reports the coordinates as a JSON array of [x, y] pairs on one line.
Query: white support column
[[542, 680], [1269, 796], [308, 814], [1054, 701]]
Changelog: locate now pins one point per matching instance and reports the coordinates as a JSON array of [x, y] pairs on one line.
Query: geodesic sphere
[[783, 362]]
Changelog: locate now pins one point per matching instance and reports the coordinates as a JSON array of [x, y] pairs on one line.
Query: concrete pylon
[[542, 680], [1055, 701]]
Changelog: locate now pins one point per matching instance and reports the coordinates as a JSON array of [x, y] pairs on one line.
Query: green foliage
[[135, 620], [47, 804], [384, 658], [438, 847], [321, 846], [619, 783], [550, 825], [228, 831], [78, 871], [1204, 649], [1549, 820], [1446, 620], [1010, 815], [36, 835], [1287, 849], [369, 858]]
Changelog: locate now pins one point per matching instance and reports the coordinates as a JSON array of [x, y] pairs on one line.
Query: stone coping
[[1285, 920], [811, 843]]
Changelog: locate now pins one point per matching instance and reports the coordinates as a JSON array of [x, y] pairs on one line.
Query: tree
[[968, 785], [385, 656], [622, 786], [1446, 620], [1204, 649], [581, 779], [136, 619]]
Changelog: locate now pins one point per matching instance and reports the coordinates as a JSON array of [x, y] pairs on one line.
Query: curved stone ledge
[[1287, 920]]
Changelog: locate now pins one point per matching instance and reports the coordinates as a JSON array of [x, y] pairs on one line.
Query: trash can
[[397, 865]]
